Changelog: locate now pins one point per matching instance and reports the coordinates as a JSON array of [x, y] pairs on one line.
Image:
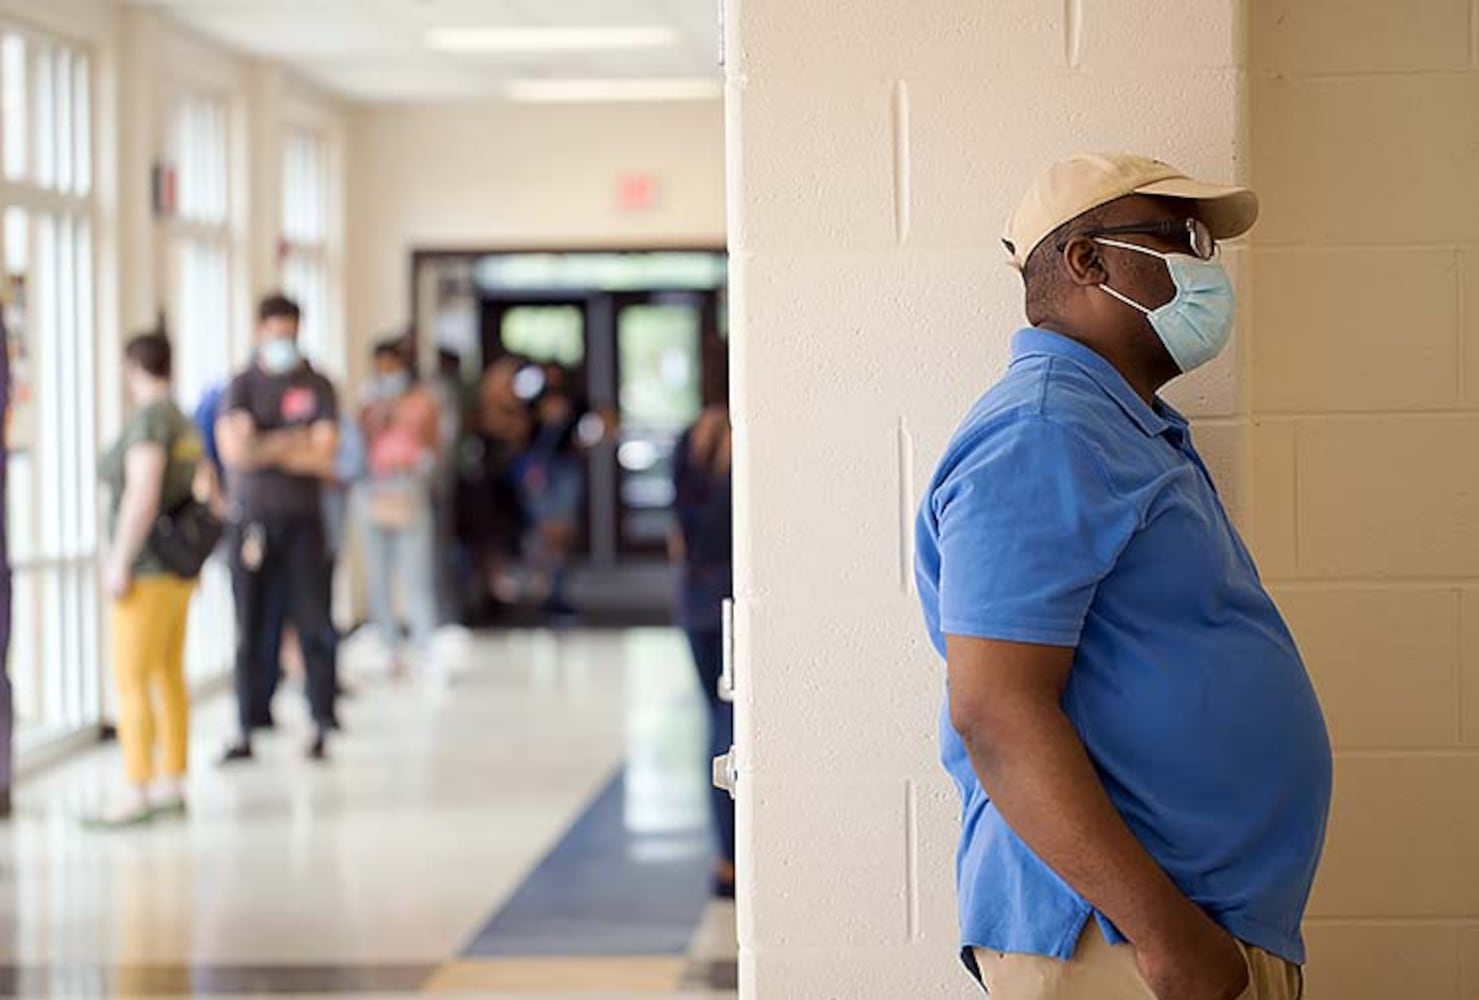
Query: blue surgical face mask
[[392, 385], [1197, 323], [278, 356]]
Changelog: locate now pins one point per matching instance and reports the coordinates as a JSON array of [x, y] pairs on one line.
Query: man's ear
[[1082, 262]]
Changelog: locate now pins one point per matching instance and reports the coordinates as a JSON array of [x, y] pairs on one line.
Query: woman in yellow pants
[[151, 468]]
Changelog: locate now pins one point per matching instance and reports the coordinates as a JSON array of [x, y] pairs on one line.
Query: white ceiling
[[373, 50]]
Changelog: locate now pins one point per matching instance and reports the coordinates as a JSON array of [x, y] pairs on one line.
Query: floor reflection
[[373, 875]]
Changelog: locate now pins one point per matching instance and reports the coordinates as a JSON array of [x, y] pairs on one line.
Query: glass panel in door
[[659, 364], [544, 333]]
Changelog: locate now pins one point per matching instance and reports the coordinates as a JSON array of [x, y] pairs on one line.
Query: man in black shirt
[[278, 434]]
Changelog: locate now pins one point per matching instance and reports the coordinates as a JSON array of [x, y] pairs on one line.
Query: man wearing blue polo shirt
[[1144, 766]]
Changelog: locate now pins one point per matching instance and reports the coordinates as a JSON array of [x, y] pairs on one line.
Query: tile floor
[[375, 874]]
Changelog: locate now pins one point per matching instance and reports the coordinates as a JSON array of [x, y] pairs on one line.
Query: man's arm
[[1005, 702], [244, 448], [314, 451]]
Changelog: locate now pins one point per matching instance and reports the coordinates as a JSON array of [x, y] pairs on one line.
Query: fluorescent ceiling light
[[603, 91], [548, 39]]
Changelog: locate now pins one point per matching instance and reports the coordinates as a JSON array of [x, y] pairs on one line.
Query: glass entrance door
[[644, 362], [659, 355]]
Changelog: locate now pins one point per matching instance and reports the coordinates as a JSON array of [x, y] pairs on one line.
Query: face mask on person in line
[[1196, 324], [278, 356], [392, 384]]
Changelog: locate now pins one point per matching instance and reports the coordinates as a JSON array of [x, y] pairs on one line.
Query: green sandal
[[170, 809], [123, 821]]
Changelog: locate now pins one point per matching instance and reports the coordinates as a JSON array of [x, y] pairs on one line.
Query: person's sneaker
[[318, 750], [236, 753], [172, 807], [126, 818], [264, 722]]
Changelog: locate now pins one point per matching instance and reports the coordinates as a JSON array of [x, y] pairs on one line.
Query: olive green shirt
[[163, 424]]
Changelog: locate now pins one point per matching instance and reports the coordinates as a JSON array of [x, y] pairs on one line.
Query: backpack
[[185, 535]]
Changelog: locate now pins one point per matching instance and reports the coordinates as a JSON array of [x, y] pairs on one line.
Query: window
[[546, 333], [659, 345], [200, 245], [305, 240], [46, 245], [199, 237]]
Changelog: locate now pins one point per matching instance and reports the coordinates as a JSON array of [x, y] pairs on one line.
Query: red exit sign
[[637, 192]]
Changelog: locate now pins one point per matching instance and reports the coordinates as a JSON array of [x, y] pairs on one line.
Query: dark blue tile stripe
[[605, 891]]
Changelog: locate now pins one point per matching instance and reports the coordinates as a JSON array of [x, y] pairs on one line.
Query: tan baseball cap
[[1085, 181]]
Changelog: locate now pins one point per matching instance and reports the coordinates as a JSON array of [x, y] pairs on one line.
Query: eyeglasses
[[1194, 231]]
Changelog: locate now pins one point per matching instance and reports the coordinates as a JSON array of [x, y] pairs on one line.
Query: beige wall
[[876, 150], [159, 61], [515, 176], [143, 60], [1365, 386], [88, 21], [1341, 428], [140, 62]]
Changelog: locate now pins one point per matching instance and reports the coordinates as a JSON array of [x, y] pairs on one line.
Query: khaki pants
[[149, 663], [1101, 971]]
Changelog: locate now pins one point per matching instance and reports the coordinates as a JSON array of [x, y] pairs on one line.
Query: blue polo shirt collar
[[1034, 341]]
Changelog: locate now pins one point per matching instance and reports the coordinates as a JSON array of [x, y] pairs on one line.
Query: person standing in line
[[274, 617], [278, 434], [550, 476], [150, 469], [447, 388], [207, 409], [402, 431], [351, 465], [1143, 763], [702, 547], [495, 518]]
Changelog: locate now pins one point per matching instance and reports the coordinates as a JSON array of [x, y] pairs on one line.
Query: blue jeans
[[403, 555]]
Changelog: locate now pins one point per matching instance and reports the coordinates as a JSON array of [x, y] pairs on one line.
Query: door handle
[[726, 673], [726, 773]]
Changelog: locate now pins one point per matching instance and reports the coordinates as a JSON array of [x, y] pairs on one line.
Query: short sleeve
[[151, 425], [328, 402], [1028, 527], [236, 397]]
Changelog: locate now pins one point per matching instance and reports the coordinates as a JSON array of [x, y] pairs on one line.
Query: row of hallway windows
[[49, 152]]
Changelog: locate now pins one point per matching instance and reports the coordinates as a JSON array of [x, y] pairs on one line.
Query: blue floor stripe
[[605, 891]]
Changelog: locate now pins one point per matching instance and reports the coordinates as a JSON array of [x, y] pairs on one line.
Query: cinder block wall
[[1365, 391], [875, 150]]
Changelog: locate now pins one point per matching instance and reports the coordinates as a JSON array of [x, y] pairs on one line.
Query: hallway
[[411, 863]]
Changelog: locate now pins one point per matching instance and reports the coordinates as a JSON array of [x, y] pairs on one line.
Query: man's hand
[[1200, 961], [245, 447], [312, 451]]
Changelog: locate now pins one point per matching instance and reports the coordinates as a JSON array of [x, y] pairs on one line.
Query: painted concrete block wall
[[1365, 145], [875, 150]]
